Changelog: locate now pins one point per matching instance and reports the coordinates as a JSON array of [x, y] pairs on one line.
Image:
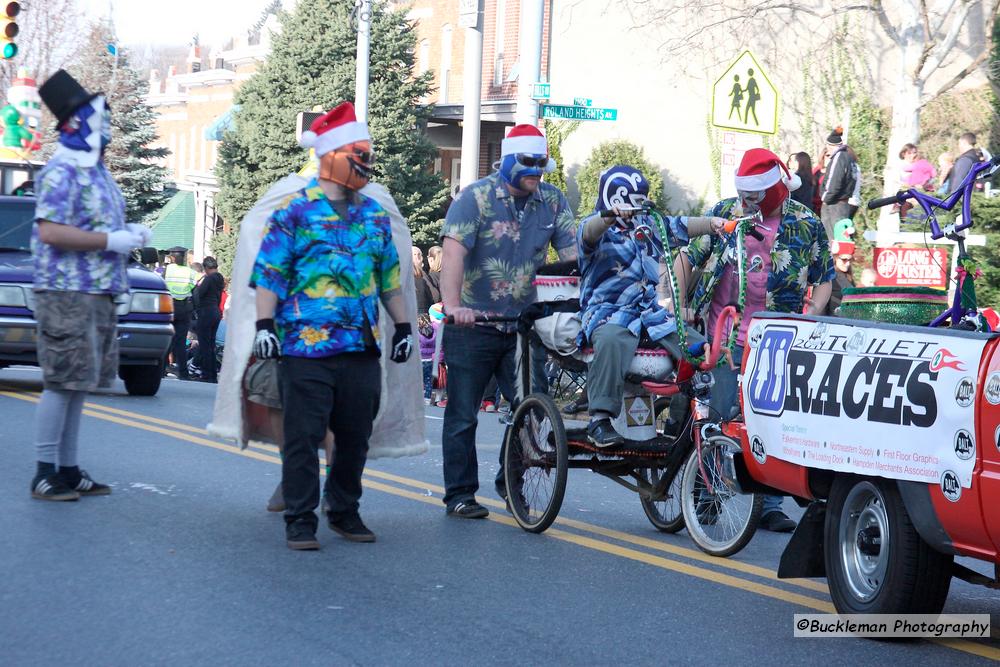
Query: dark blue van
[[145, 317]]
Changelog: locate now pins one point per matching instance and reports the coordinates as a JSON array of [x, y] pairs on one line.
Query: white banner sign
[[866, 400]]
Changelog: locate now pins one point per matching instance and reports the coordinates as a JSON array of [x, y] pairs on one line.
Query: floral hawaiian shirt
[[329, 273], [620, 275], [506, 246], [800, 257], [87, 198]]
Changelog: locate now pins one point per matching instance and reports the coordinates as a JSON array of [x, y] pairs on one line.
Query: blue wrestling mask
[[515, 167]]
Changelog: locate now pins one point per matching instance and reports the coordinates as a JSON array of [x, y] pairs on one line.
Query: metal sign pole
[[364, 8]]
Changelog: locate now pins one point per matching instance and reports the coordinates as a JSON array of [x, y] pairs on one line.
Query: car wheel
[[876, 562], [142, 380]]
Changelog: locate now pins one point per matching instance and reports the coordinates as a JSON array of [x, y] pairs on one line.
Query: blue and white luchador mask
[[88, 132], [514, 167], [621, 185]]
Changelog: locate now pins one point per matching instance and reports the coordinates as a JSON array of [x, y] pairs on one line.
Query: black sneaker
[[603, 434], [468, 509], [350, 526], [300, 536], [777, 522], [86, 486], [579, 405], [52, 487]]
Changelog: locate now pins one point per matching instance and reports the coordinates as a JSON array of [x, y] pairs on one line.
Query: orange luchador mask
[[350, 165]]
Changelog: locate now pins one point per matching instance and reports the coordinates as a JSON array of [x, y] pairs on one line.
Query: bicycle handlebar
[[715, 349], [450, 319], [885, 201]]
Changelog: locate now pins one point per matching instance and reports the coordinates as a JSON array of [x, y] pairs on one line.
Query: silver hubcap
[[864, 541]]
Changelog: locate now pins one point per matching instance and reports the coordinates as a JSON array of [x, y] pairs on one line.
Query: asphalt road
[[181, 565]]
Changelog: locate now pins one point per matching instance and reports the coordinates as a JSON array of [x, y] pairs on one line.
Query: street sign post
[[744, 99], [468, 13], [540, 91], [560, 112]]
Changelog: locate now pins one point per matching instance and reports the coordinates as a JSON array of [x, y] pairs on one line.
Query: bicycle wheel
[[536, 461], [719, 518], [666, 515]]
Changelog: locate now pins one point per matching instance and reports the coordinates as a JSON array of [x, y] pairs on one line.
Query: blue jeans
[[725, 401], [475, 354]]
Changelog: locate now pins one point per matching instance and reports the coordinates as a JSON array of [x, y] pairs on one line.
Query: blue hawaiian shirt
[[329, 272], [87, 198], [619, 279], [506, 246], [800, 257]]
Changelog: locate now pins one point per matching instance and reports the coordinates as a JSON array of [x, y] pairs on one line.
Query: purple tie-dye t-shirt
[[87, 198]]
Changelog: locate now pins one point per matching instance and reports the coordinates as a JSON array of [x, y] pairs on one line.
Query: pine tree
[[130, 157], [312, 63]]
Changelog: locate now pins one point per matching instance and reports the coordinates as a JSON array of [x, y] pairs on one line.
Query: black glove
[[402, 343], [266, 344]]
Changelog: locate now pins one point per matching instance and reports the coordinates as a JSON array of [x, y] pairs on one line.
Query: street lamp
[[361, 19]]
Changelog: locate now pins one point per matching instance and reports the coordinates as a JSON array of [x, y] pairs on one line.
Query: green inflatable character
[[15, 135]]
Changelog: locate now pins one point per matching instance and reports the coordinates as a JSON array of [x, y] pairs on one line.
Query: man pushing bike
[[792, 253]]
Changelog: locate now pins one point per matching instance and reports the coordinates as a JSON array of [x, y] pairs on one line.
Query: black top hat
[[63, 95]]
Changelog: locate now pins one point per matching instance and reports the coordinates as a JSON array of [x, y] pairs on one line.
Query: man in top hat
[[80, 245], [326, 261], [495, 236], [794, 253]]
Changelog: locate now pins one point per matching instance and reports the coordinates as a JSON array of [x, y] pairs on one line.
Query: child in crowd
[[428, 337]]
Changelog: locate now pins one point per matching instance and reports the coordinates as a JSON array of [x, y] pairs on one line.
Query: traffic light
[[9, 29]]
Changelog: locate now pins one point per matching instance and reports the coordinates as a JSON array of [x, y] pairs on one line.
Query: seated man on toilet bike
[[622, 260]]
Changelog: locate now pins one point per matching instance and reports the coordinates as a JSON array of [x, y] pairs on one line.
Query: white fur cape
[[399, 425]]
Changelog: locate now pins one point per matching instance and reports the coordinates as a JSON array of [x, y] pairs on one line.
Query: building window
[[425, 56], [501, 20], [445, 62]]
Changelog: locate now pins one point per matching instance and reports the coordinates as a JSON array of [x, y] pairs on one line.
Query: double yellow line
[[745, 576]]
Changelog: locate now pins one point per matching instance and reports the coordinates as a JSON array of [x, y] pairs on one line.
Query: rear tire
[[142, 380], [666, 515], [536, 463], [876, 562]]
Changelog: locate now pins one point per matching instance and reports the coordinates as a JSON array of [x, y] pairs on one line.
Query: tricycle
[[685, 475]]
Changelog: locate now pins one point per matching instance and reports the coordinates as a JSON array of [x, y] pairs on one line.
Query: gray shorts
[[77, 341], [262, 384]]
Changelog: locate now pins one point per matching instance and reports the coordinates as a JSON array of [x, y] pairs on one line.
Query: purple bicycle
[[964, 313]]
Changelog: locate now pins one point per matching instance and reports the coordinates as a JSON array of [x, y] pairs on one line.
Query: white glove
[[142, 230], [123, 241]]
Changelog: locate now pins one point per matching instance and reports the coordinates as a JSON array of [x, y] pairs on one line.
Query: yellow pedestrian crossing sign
[[744, 99]]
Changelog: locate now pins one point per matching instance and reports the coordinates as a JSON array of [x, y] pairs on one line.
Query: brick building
[[441, 49], [195, 108]]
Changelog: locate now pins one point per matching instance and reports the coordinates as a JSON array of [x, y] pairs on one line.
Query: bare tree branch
[[946, 44], [884, 22], [976, 63]]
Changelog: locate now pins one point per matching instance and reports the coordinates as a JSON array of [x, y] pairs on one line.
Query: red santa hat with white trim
[[338, 127], [528, 139], [760, 169]]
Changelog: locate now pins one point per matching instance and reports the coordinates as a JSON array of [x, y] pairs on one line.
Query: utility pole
[[471, 17], [364, 13], [532, 20]]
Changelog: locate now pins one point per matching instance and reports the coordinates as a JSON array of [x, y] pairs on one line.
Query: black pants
[[206, 326], [339, 392], [178, 346]]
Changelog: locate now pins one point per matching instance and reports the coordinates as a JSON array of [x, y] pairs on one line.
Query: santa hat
[[528, 139], [339, 127], [524, 139], [760, 169]]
